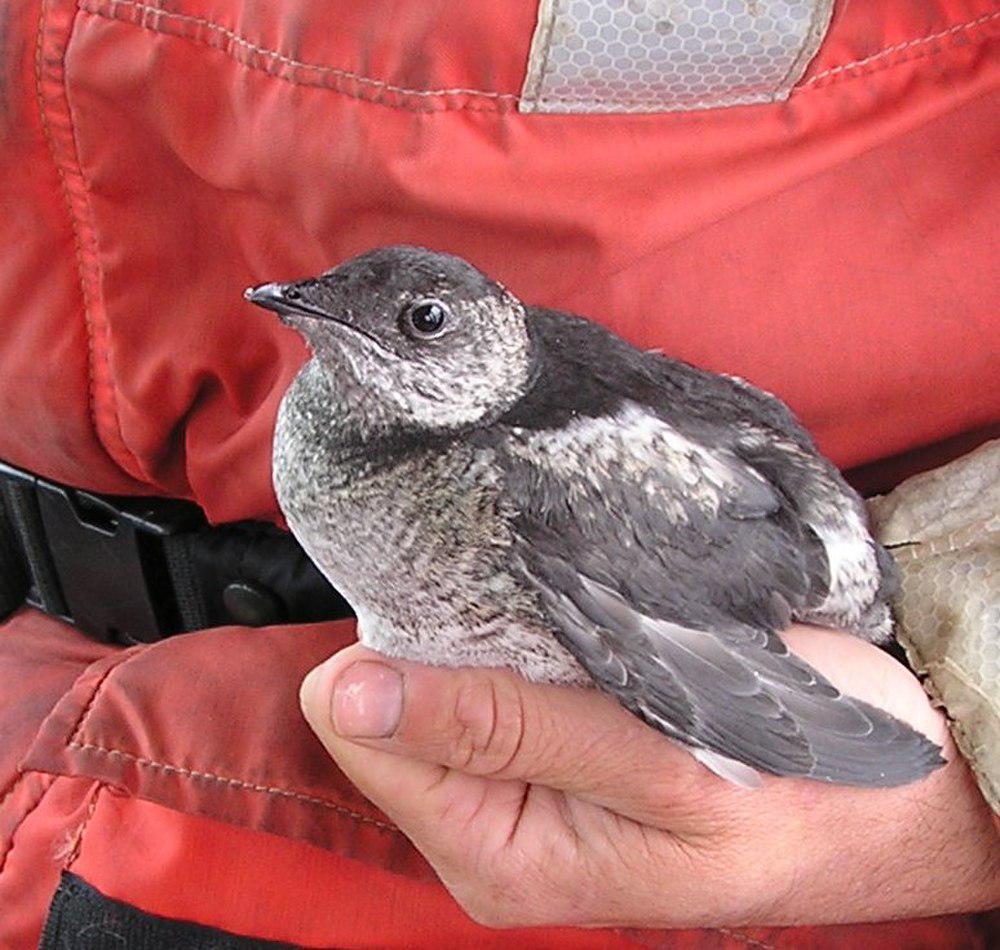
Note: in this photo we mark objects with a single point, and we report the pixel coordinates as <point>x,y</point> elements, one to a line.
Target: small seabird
<point>494,484</point>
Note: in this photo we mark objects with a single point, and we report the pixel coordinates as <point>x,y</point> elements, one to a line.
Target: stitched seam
<point>156,14</point>
<point>899,47</point>
<point>75,743</point>
<point>237,39</point>
<point>108,437</point>
<point>47,782</point>
<point>81,719</point>
<point>232,782</point>
<point>74,227</point>
<point>844,77</point>
<point>91,251</point>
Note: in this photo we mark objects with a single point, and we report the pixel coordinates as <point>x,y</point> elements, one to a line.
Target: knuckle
<point>489,715</point>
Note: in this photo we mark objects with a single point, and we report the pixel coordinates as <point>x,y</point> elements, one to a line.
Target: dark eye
<point>425,319</point>
<point>292,294</point>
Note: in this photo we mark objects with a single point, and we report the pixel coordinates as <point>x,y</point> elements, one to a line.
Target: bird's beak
<point>292,311</point>
<point>275,297</point>
<point>270,297</point>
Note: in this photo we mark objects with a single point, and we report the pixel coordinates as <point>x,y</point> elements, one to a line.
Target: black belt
<point>135,570</point>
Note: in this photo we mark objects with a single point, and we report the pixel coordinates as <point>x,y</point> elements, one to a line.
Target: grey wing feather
<point>673,606</point>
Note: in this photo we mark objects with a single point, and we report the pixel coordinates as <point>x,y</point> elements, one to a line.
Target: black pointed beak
<point>270,297</point>
<point>285,300</point>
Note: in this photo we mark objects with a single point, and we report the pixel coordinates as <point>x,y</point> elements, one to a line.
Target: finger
<point>448,814</point>
<point>493,724</point>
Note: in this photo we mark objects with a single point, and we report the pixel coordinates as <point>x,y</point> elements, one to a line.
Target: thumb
<point>399,729</point>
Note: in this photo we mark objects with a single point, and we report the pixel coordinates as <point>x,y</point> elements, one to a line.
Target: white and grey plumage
<point>498,485</point>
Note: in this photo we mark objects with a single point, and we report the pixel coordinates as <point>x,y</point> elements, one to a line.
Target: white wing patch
<point>637,446</point>
<point>853,568</point>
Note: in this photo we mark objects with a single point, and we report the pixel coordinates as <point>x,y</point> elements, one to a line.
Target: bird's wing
<point>666,568</point>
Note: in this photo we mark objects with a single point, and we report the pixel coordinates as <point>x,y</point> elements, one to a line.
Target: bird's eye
<point>292,294</point>
<point>425,319</point>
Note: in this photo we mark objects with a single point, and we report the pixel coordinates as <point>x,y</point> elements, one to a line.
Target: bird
<point>494,484</point>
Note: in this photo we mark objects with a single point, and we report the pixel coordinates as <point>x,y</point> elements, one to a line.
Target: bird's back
<point>673,523</point>
<point>786,500</point>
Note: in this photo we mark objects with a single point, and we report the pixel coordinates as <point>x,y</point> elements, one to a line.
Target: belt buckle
<point>99,561</point>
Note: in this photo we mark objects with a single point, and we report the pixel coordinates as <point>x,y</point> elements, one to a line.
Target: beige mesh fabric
<point>944,531</point>
<point>669,55</point>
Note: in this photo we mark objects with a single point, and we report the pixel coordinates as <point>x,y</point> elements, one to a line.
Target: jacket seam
<point>369,89</point>
<point>67,165</point>
<point>898,48</point>
<point>64,187</point>
<point>79,743</point>
<point>152,19</point>
<point>273,790</point>
<point>88,707</point>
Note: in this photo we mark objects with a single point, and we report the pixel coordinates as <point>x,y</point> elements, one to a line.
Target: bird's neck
<point>354,434</point>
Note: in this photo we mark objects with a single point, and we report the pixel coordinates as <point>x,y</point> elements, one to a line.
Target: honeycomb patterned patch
<point>944,531</point>
<point>669,55</point>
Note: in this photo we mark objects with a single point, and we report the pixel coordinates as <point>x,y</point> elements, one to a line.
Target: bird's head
<point>411,336</point>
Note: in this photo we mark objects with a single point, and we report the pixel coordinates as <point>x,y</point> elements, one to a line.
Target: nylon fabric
<point>295,146</point>
<point>836,249</point>
<point>192,857</point>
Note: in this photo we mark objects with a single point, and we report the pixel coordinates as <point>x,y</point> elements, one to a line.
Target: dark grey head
<point>411,335</point>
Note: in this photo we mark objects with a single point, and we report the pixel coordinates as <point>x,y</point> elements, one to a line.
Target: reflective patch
<point>669,55</point>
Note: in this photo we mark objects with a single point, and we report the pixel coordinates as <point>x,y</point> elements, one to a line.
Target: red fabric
<point>135,783</point>
<point>836,249</point>
<point>39,827</point>
<point>160,722</point>
<point>323,900</point>
<point>32,681</point>
<point>314,898</point>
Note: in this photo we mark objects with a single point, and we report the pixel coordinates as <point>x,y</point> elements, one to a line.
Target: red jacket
<point>837,249</point>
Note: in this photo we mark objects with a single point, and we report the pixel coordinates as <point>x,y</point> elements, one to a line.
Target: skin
<point>549,805</point>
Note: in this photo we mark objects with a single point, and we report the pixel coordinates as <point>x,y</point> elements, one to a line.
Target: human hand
<point>541,805</point>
